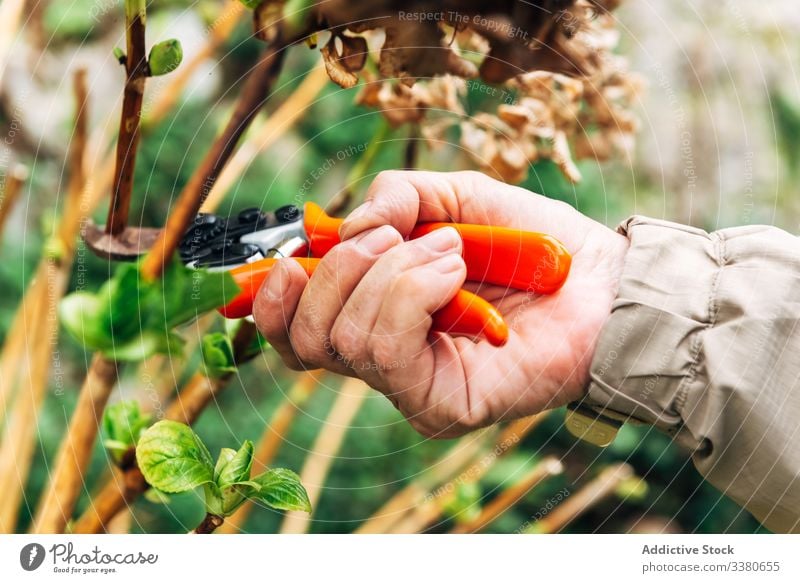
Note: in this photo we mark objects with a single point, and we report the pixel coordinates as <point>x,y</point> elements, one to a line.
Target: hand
<point>366,310</point>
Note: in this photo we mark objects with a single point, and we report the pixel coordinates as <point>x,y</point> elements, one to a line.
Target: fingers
<point>353,329</point>
<point>275,306</point>
<point>402,199</point>
<point>297,319</point>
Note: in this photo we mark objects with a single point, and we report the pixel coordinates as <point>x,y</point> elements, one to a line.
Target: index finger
<point>404,198</point>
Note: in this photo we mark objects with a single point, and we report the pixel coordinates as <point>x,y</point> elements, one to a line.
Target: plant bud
<point>165,57</point>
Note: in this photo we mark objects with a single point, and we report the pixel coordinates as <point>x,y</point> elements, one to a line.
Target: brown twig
<point>128,141</point>
<point>329,440</point>
<point>444,469</point>
<point>126,485</point>
<point>507,498</point>
<point>273,437</point>
<point>103,179</point>
<point>582,500</point>
<point>261,138</point>
<point>55,507</point>
<point>425,513</point>
<point>41,329</point>
<point>255,92</point>
<point>210,523</point>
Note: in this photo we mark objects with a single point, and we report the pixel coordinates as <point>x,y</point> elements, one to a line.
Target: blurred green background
<point>716,78</point>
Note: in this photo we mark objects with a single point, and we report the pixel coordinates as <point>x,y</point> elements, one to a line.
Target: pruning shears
<point>250,243</point>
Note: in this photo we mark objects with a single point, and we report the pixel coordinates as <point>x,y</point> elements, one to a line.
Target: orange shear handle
<point>521,260</point>
<point>465,315</point>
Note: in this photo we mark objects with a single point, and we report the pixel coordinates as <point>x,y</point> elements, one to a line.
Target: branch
<point>424,514</point>
<point>266,134</point>
<point>209,524</point>
<point>591,494</point>
<point>58,501</point>
<point>326,446</point>
<point>254,95</point>
<point>507,498</point>
<point>32,352</point>
<point>442,470</point>
<point>130,119</point>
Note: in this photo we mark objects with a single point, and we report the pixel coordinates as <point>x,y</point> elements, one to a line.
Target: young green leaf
<point>218,354</point>
<point>226,454</point>
<point>123,424</point>
<point>281,489</point>
<point>130,319</point>
<point>173,459</point>
<point>237,469</point>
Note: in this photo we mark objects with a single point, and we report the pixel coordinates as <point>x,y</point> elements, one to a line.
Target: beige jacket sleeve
<point>704,342</point>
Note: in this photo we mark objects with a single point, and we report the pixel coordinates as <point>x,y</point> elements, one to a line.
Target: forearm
<point>703,342</point>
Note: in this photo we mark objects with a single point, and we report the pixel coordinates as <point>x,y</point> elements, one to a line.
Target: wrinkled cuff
<point>648,349</point>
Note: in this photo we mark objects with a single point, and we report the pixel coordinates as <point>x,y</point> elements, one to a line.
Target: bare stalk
<point>587,497</point>
<point>255,93</point>
<point>41,329</point>
<point>444,469</point>
<point>209,524</point>
<point>509,497</point>
<point>103,176</point>
<point>266,134</point>
<point>424,514</point>
<point>130,119</point>
<point>326,446</point>
<point>271,440</point>
<point>55,508</point>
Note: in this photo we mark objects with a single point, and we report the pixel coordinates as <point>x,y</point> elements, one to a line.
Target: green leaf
<point>218,354</point>
<point>281,489</point>
<point>215,501</point>
<point>225,455</point>
<point>165,57</point>
<point>173,459</point>
<point>129,319</point>
<point>237,467</point>
<point>251,4</point>
<point>123,424</point>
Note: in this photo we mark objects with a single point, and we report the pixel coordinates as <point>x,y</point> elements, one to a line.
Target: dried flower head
<point>553,61</point>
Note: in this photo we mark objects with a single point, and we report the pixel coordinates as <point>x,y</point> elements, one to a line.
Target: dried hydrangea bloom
<point>555,57</point>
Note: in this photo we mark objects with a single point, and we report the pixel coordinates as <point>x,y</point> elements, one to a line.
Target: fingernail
<point>441,239</point>
<point>380,240</point>
<point>448,264</point>
<point>278,282</point>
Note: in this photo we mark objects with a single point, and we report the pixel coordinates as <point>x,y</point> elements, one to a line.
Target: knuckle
<point>306,345</point>
<point>388,177</point>
<point>347,339</point>
<point>408,285</point>
<point>382,353</point>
